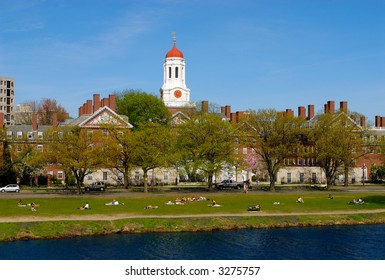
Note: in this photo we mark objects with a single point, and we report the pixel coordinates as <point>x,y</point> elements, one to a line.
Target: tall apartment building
<point>7,97</point>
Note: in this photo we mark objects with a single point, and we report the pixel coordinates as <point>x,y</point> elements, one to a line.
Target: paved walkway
<point>98,217</point>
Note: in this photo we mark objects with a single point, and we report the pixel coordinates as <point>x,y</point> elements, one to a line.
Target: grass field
<point>59,217</point>
<point>231,203</point>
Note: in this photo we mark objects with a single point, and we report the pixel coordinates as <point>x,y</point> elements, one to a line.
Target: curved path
<point>98,217</point>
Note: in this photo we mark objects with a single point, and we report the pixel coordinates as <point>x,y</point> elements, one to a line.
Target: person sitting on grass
<point>214,204</point>
<point>300,200</point>
<point>360,201</point>
<point>330,196</point>
<point>85,207</point>
<point>33,207</point>
<point>354,201</point>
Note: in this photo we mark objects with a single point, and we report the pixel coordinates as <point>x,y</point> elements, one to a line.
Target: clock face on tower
<point>177,93</point>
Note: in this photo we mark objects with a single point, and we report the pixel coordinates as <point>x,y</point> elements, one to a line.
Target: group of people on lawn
<point>256,207</point>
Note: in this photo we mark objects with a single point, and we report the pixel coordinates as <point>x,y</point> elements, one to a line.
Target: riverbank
<point>67,228</point>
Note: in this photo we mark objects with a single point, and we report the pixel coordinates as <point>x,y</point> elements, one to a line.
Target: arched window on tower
<point>176,72</point>
<point>169,72</point>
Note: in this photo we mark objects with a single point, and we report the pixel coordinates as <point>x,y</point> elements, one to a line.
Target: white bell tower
<point>174,92</point>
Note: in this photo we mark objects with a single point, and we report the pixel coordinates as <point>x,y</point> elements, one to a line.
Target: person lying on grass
<point>114,202</point>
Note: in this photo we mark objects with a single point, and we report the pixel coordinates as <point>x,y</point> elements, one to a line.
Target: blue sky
<point>249,54</point>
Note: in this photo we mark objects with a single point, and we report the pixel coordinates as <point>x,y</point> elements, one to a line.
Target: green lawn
<point>230,203</point>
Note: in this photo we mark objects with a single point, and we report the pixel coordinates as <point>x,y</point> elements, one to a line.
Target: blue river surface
<point>362,242</point>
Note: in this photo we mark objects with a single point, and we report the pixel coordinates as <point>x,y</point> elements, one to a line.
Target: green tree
<point>274,136</point>
<point>151,146</point>
<point>7,173</point>
<point>337,143</point>
<point>141,108</point>
<point>76,150</point>
<point>119,151</point>
<point>377,173</point>
<point>205,142</point>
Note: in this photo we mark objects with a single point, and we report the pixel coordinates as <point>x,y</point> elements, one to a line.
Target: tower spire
<point>174,37</point>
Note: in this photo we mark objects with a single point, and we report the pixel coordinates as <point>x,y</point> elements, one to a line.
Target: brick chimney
<point>89,107</point>
<point>233,117</point>
<point>330,107</point>
<point>302,112</point>
<point>105,102</point>
<point>310,112</point>
<point>223,110</point>
<point>363,121</point>
<point>239,116</point>
<point>112,102</point>
<point>96,102</point>
<point>382,121</point>
<point>344,106</point>
<point>34,122</point>
<point>227,111</point>
<point>205,107</point>
<point>378,121</point>
<point>290,113</point>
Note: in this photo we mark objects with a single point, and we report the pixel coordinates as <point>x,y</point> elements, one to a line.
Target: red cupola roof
<point>174,52</point>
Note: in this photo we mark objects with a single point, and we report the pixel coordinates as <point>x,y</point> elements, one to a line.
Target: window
<point>104,175</point>
<point>302,178</point>
<point>244,151</point>
<point>40,134</point>
<point>9,134</point>
<point>176,72</point>
<point>314,177</point>
<point>39,148</point>
<point>165,175</point>
<point>169,72</point>
<point>90,177</point>
<point>289,177</point>
<point>60,175</point>
<point>19,148</point>
<point>19,134</point>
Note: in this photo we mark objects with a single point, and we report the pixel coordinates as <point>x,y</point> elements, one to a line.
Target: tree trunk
<point>210,180</point>
<point>346,179</point>
<point>125,177</point>
<point>145,177</point>
<point>272,182</point>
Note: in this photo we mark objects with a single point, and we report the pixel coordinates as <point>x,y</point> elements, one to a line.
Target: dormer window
<point>9,134</point>
<point>19,134</point>
<point>40,134</point>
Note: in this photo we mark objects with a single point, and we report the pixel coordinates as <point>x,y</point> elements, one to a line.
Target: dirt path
<point>97,217</point>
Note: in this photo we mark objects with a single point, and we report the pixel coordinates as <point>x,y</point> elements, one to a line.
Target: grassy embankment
<point>60,217</point>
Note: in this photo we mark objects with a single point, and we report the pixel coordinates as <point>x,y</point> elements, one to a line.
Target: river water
<point>364,242</point>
